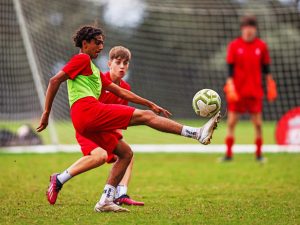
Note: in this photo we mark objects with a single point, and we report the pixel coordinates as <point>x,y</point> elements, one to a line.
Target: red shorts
<point>250,105</point>
<point>106,140</point>
<point>98,123</point>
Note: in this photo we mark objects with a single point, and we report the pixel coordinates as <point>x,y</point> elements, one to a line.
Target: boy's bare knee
<point>149,115</point>
<point>138,117</point>
<point>99,158</point>
<point>128,154</point>
<point>142,117</point>
<point>98,161</point>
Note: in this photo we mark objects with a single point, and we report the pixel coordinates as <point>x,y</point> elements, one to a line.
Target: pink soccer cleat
<point>125,199</point>
<point>53,189</point>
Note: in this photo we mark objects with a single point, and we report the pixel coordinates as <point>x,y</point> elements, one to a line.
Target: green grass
<point>145,135</point>
<point>176,188</point>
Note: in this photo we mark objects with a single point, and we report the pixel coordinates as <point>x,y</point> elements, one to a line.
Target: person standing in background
<point>248,63</point>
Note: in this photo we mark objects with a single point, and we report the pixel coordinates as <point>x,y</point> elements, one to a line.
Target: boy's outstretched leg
<point>106,202</point>
<point>149,118</point>
<point>96,158</point>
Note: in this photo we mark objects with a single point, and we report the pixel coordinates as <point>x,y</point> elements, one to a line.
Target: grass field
<point>176,188</point>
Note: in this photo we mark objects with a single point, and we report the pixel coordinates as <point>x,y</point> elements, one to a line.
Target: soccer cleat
<point>53,189</point>
<point>261,159</point>
<point>225,159</point>
<point>109,207</point>
<point>208,129</point>
<point>125,199</point>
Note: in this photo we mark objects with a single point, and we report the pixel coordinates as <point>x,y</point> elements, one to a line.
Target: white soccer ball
<point>206,103</point>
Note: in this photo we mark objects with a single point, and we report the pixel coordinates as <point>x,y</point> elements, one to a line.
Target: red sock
<point>258,143</point>
<point>229,143</point>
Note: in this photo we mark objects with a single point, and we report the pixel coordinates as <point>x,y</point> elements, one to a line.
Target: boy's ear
<point>84,42</point>
<point>109,63</point>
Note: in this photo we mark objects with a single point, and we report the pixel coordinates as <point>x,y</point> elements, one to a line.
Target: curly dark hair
<point>87,33</point>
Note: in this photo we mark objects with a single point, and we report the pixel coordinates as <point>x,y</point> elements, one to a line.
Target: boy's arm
<point>52,89</point>
<point>131,97</point>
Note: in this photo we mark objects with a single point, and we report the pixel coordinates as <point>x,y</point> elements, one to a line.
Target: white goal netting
<point>178,48</point>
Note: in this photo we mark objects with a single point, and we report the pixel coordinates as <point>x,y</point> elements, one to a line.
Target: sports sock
<point>121,190</point>
<point>191,132</point>
<point>108,194</point>
<point>258,143</point>
<point>64,177</point>
<point>229,143</point>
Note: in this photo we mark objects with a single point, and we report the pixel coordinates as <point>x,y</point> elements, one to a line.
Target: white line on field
<point>149,148</point>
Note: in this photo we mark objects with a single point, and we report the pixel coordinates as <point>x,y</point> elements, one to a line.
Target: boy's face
<point>248,33</point>
<point>118,67</point>
<point>94,47</point>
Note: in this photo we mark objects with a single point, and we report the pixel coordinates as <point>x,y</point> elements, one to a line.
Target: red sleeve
<point>266,60</point>
<point>104,80</point>
<point>230,54</point>
<point>79,64</point>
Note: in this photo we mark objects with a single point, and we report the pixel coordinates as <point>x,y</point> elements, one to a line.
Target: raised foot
<point>208,129</point>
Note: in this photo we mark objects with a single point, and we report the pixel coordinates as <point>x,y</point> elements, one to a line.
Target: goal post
<point>34,66</point>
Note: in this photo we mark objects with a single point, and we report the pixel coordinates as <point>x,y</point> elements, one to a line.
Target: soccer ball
<point>206,103</point>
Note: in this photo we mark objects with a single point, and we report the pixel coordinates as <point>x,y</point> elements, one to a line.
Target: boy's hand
<point>230,92</point>
<point>271,89</point>
<point>159,110</point>
<point>43,122</point>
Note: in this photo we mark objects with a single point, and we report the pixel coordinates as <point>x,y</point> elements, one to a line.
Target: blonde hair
<point>119,52</point>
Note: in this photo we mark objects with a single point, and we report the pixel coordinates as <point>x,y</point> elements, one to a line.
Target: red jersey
<point>110,98</point>
<point>248,59</point>
<point>81,64</point>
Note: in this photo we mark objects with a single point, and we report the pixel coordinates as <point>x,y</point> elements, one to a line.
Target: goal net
<point>178,48</point>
